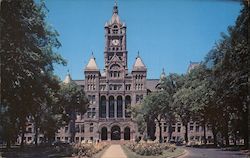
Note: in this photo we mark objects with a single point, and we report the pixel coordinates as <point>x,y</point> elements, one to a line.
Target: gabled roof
<point>139,63</point>
<point>67,79</point>
<point>91,64</point>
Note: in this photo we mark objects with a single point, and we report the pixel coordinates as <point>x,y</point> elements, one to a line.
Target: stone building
<point>111,92</point>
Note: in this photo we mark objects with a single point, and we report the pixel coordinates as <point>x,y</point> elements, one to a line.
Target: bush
<point>149,149</point>
<point>88,149</point>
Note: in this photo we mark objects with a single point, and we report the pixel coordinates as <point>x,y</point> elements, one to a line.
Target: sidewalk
<point>114,151</point>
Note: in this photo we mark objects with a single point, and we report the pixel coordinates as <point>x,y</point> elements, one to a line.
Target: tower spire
<point>115,8</point>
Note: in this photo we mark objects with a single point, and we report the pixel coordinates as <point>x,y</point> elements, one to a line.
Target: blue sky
<point>167,33</point>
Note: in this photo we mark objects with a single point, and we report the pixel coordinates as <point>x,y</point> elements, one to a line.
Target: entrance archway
<point>104,133</point>
<point>115,133</point>
<point>127,133</point>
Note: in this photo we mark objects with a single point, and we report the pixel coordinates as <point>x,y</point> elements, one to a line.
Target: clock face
<point>115,42</point>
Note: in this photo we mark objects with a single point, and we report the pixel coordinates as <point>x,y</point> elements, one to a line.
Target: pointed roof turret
<point>91,64</point>
<point>115,18</point>
<point>115,8</point>
<point>163,75</point>
<point>139,65</point>
<point>67,79</point>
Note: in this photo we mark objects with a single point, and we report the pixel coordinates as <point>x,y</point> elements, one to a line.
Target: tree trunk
<point>226,135</point>
<point>235,138</point>
<point>204,133</point>
<point>22,136</point>
<point>246,130</point>
<point>36,131</point>
<point>160,130</point>
<point>170,131</point>
<point>8,145</point>
<point>214,135</point>
<point>186,133</point>
<point>72,127</point>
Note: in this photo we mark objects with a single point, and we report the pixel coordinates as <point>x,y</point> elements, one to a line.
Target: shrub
<point>88,149</point>
<point>149,149</point>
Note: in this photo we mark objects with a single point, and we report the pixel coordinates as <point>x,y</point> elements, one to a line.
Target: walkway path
<point>211,153</point>
<point>114,151</point>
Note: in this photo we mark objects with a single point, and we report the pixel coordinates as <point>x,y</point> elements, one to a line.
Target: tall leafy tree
<point>27,54</point>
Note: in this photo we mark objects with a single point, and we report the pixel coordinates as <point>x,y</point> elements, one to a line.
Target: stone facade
<point>111,92</point>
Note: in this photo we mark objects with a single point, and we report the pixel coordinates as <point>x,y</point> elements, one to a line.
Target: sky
<point>167,33</point>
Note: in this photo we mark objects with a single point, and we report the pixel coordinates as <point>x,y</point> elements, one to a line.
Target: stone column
<point>109,135</point>
<point>122,134</point>
<point>115,109</point>
<point>123,108</point>
<point>107,109</point>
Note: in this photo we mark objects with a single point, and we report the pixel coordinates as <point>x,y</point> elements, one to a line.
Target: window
<point>82,138</point>
<point>179,129</point>
<point>197,138</point>
<point>66,129</point>
<point>91,129</point>
<point>173,128</point>
<point>77,139</point>
<point>29,130</point>
<point>93,98</point>
<point>77,128</point>
<point>137,98</point>
<point>29,138</point>
<point>66,138</point>
<point>82,128</point>
<point>58,138</point>
<point>173,138</point>
<point>197,129</point>
<point>165,127</point>
<point>191,128</point>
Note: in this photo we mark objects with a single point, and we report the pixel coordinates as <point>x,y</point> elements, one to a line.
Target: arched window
<point>111,106</point>
<point>103,107</point>
<point>119,106</point>
<point>127,106</point>
<point>127,133</point>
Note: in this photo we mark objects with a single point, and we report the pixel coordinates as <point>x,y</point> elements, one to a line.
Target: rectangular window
<point>173,128</point>
<point>66,138</point>
<point>77,139</point>
<point>91,129</point>
<point>93,98</point>
<point>29,130</point>
<point>66,129</point>
<point>82,138</point>
<point>89,114</point>
<point>197,128</point>
<point>77,128</point>
<point>82,128</point>
<point>137,98</point>
<point>179,129</point>
<point>191,128</point>
<point>165,128</point>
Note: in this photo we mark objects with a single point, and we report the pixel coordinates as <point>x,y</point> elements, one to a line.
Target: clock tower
<point>115,42</point>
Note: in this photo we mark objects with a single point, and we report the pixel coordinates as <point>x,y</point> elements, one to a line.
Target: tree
<point>154,107</point>
<point>72,100</point>
<point>27,54</point>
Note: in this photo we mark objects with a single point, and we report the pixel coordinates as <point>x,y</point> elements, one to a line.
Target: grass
<point>166,153</point>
